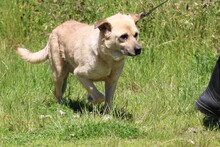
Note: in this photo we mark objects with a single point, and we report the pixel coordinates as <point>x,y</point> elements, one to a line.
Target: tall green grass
<point>154,100</point>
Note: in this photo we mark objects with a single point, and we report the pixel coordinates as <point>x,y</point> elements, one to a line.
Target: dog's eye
<point>123,37</point>
<point>136,35</point>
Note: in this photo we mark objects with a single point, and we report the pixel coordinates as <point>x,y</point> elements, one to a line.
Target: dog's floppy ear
<point>103,25</point>
<point>135,17</point>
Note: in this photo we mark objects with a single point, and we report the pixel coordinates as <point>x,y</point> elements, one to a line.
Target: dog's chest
<point>94,70</point>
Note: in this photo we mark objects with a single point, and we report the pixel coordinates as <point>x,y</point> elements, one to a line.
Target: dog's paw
<point>61,101</point>
<point>95,100</point>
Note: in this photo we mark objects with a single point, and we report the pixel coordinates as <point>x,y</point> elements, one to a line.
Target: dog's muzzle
<point>137,49</point>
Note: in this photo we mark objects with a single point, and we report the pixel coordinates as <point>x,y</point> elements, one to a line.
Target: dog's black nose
<point>137,49</point>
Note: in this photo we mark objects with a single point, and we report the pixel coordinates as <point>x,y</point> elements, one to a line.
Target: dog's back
<point>77,41</point>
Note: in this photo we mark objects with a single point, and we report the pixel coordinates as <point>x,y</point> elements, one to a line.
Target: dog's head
<point>119,34</point>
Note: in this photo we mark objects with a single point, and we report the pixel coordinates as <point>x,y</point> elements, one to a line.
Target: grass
<point>154,101</point>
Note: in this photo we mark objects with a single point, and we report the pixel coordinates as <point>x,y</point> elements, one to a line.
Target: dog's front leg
<point>95,96</point>
<point>110,87</point>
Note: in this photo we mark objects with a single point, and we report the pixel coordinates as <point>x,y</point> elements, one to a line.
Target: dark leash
<point>143,14</point>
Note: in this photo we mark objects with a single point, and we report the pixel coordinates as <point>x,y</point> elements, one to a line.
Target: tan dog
<point>91,53</point>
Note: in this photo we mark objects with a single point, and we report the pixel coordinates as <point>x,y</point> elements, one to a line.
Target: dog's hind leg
<point>60,81</point>
<point>64,83</point>
<point>59,67</point>
<point>60,76</point>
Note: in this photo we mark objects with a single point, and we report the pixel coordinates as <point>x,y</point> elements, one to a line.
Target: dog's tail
<point>34,58</point>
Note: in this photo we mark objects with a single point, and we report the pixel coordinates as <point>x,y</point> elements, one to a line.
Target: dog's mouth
<point>124,51</point>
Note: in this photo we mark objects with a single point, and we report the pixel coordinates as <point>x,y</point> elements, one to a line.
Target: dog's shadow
<point>211,122</point>
<point>79,106</point>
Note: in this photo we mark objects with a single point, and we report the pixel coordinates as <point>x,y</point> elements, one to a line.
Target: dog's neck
<point>109,54</point>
